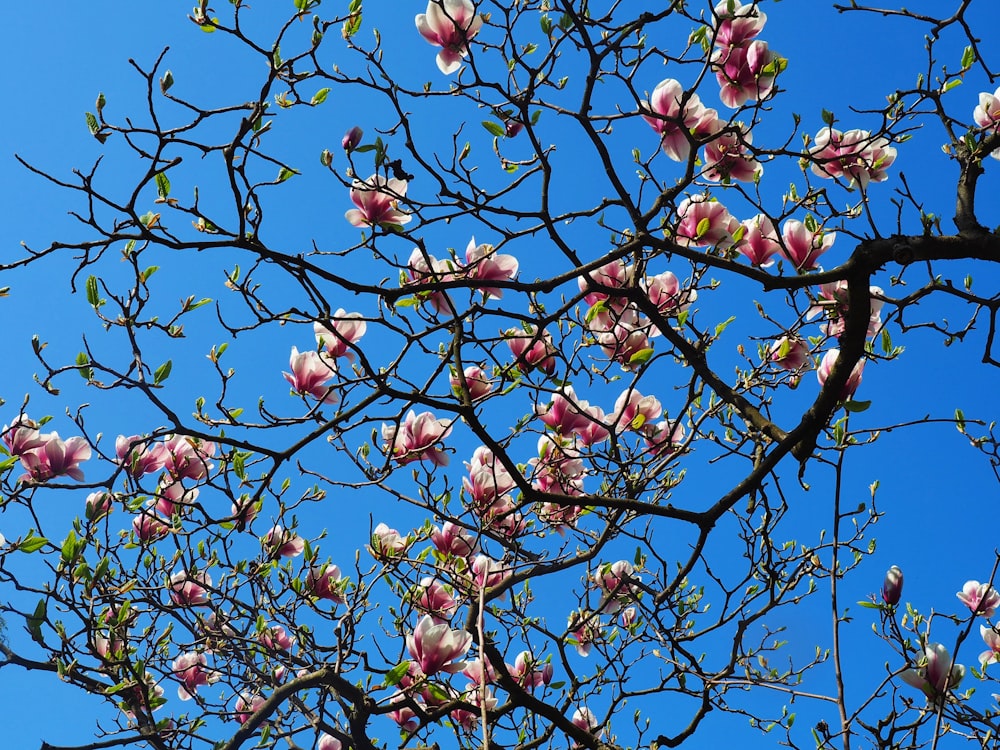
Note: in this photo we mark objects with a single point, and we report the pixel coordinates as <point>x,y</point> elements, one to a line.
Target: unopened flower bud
<point>892,586</point>
<point>352,138</point>
<point>326,158</point>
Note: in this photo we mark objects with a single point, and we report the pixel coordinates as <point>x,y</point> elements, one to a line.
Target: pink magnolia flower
<point>435,599</point>
<point>480,673</point>
<point>276,638</point>
<point>484,263</point>
<point>790,353</point>
<point>189,590</point>
<point>452,540</point>
<point>344,330</point>
<point>703,222</point>
<point>149,527</point>
<point>488,573</point>
<point>745,72</point>
<point>377,201</point>
<point>423,268</point>
<point>611,276</point>
<point>992,640</point>
<point>759,243</point>
<point>567,414</point>
<point>664,290</point>
<point>388,543</point>
<point>188,457</point>
<point>531,349</point>
<point>98,505</point>
<point>558,467</point>
<point>22,435</point>
<point>737,23</point>
<point>173,498</point>
<point>803,246</point>
<point>109,650</point>
<point>584,718</point>
<point>281,542</point>
<point>936,673</point>
<point>487,480</point>
<point>190,669</point>
<point>477,382</point>
<point>310,373</point>
<point>980,598</point>
<point>832,302</point>
<point>623,337</point>
<point>138,457</point>
<point>892,586</point>
<point>855,155</point>
<point>615,583</point>
<point>449,24</point>
<point>853,380</point>
<point>417,438</point>
<point>728,157</point>
<point>328,742</point>
<point>435,646</point>
<point>679,120</point>
<point>54,458</point>
<point>585,628</point>
<point>529,672</point>
<point>633,411</point>
<point>351,139</point>
<point>325,582</point>
<point>403,715</point>
<point>245,510</point>
<point>628,617</point>
<point>987,115</point>
<point>247,705</point>
<point>665,438</point>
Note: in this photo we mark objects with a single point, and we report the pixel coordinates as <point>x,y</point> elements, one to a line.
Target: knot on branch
<point>902,253</point>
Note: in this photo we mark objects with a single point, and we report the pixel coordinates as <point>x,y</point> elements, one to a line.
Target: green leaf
<point>36,620</point>
<point>149,272</point>
<point>968,58</point>
<point>92,124</point>
<point>101,101</point>
<point>494,128</point>
<point>286,173</point>
<point>83,366</point>
<point>723,326</point>
<point>703,226</point>
<point>207,27</point>
<point>162,372</point>
<point>320,96</point>
<point>954,82</point>
<point>396,673</point>
<point>828,117</point>
<point>641,357</point>
<point>162,185</point>
<point>857,406</point>
<point>93,295</point>
<point>32,543</point>
<point>546,23</point>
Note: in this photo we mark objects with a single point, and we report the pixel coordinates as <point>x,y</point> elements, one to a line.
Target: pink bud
<point>892,586</point>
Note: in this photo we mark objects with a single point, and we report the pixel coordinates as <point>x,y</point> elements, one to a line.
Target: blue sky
<point>932,483</point>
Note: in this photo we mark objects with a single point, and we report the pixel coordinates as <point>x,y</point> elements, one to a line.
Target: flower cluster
<point>483,265</point>
<point>744,66</point>
<point>44,456</point>
<point>856,155</point>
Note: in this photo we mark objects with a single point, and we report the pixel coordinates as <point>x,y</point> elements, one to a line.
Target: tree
<point>525,350</point>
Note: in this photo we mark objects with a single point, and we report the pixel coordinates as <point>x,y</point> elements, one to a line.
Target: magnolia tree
<point>536,483</point>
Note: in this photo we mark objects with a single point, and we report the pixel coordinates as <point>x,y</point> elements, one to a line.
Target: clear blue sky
<point>932,483</point>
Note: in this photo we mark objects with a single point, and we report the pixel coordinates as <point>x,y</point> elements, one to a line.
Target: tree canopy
<point>589,322</point>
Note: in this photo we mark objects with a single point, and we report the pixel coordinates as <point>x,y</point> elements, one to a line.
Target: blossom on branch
<point>377,201</point>
<point>449,24</point>
<point>417,438</point>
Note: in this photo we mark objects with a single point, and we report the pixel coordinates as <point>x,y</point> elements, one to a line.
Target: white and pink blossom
<point>449,24</point>
<point>377,202</point>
